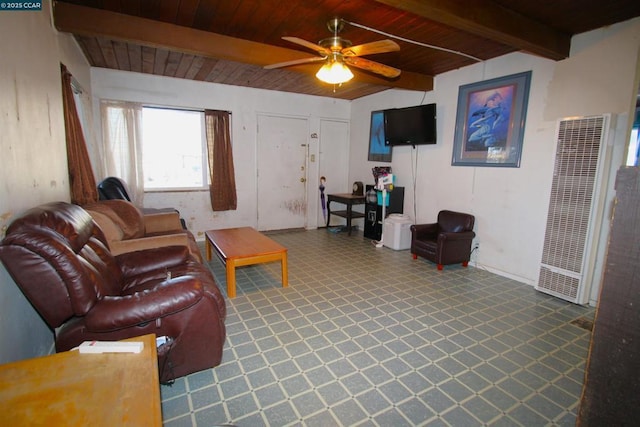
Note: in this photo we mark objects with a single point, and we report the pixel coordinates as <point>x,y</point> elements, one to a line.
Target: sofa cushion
<point>123,214</point>
<point>112,232</point>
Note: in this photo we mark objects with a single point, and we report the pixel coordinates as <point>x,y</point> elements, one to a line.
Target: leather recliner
<point>445,242</point>
<point>59,258</point>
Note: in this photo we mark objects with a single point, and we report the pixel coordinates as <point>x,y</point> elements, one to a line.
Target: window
<point>173,149</point>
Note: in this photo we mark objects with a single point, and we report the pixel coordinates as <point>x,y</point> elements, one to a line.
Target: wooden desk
<point>244,246</point>
<point>73,389</point>
<point>349,200</point>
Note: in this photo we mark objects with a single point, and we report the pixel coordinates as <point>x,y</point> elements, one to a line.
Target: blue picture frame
<point>378,151</point>
<point>490,122</point>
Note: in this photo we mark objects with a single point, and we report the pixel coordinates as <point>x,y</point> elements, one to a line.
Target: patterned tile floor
<point>367,336</point>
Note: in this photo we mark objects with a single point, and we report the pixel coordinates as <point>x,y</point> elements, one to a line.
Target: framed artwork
<point>378,152</point>
<point>490,122</point>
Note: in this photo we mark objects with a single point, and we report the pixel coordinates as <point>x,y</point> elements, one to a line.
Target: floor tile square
<point>308,403</point>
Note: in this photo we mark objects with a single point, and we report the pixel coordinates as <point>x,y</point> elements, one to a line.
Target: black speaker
<point>373,212</point>
<point>396,201</point>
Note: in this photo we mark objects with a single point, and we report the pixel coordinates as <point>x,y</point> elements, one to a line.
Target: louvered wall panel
<point>571,205</point>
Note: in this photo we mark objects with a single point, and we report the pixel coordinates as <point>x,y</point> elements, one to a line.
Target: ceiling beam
<point>91,22</point>
<point>490,20</point>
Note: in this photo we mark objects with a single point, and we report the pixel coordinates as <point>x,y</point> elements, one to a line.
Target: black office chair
<point>115,188</point>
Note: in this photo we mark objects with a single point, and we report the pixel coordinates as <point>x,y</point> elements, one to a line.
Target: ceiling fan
<point>337,52</point>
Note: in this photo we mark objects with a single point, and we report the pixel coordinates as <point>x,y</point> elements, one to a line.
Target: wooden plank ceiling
<point>229,42</point>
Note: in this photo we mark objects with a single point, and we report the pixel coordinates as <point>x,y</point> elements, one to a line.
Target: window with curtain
<point>167,149</point>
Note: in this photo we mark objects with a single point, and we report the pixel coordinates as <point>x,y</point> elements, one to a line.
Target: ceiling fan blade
<point>294,62</point>
<point>380,46</point>
<point>321,50</point>
<point>372,66</point>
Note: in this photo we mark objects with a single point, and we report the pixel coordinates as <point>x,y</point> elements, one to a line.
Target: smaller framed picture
<point>490,122</point>
<point>378,151</point>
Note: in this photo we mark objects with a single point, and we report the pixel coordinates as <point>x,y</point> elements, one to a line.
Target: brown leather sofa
<point>128,229</point>
<point>59,258</point>
<point>445,242</point>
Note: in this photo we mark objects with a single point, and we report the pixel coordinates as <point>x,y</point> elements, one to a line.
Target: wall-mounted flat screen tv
<point>410,125</point>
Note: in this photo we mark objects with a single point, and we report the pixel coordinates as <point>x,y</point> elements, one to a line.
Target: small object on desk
<point>111,347</point>
<point>358,188</point>
<point>160,341</point>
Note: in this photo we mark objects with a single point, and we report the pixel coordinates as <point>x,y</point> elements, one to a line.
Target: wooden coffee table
<point>244,246</point>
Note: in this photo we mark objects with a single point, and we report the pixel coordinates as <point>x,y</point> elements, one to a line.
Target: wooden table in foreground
<point>73,389</point>
<point>244,246</point>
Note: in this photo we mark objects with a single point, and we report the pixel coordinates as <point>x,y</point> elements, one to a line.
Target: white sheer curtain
<point>122,140</point>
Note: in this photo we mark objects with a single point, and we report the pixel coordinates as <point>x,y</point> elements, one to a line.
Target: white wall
<point>32,143</point>
<point>510,204</point>
<point>245,105</point>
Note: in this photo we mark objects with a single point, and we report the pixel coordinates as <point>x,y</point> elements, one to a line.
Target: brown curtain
<point>81,180</point>
<point>223,182</point>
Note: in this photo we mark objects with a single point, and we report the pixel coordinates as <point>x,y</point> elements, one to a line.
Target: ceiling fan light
<point>334,72</point>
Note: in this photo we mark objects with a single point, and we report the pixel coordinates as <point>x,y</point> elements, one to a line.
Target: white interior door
<point>282,172</point>
<point>333,162</point>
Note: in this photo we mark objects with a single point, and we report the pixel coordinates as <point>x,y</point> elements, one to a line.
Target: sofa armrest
<point>162,222</point>
<point>169,297</point>
<point>123,246</point>
<point>421,231</point>
<point>109,228</point>
<point>140,262</point>
<point>451,236</point>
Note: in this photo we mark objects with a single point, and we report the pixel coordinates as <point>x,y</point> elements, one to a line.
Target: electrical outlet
<point>476,246</point>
